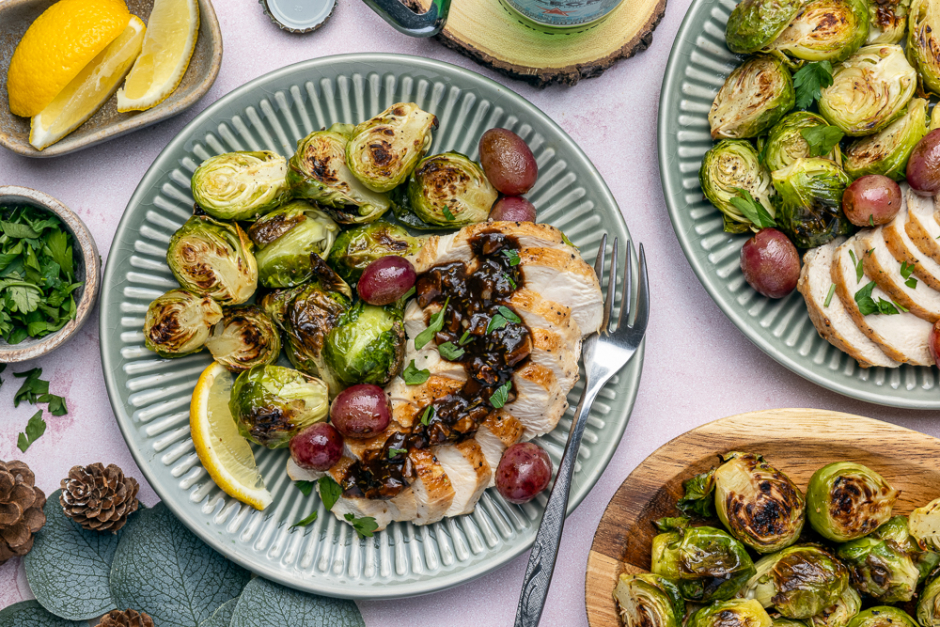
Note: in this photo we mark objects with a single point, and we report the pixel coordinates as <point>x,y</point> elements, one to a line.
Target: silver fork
<point>605,353</point>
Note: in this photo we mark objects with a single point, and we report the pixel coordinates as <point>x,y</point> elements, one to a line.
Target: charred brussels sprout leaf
<point>841,612</point>
<point>179,323</point>
<point>733,613</point>
<point>755,24</point>
<point>246,337</point>
<point>367,345</point>
<point>825,30</point>
<point>887,151</point>
<point>271,404</point>
<point>882,564</point>
<point>888,22</point>
<point>213,259</point>
<point>450,191</point>
<point>240,185</point>
<point>648,600</point>
<point>384,150</point>
<point>923,42</point>
<point>845,500</point>
<point>809,201</point>
<point>286,238</point>
<point>928,605</point>
<point>787,141</point>
<point>318,172</point>
<point>883,616</point>
<point>358,247</point>
<point>799,581</point>
<point>754,97</point>
<point>699,496</point>
<point>924,526</point>
<point>869,90</point>
<point>729,167</point>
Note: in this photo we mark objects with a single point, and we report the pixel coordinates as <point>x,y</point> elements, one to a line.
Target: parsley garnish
<point>450,352</point>
<point>413,376</point>
<point>499,397</point>
<point>496,322</point>
<point>809,80</point>
<point>868,306</point>
<point>511,282</point>
<point>437,323</point>
<point>305,487</point>
<point>832,290</point>
<point>465,338</point>
<point>509,314</point>
<point>447,214</point>
<point>330,491</point>
<point>565,239</point>
<point>752,210</point>
<point>35,390</point>
<point>364,526</point>
<point>906,270</point>
<point>512,256</point>
<point>34,429</point>
<point>871,219</point>
<point>305,521</point>
<point>394,452</point>
<point>408,294</point>
<point>859,272</point>
<point>427,415</point>
<point>821,139</point>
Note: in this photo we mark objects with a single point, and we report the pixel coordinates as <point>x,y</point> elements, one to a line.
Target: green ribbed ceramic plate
<point>151,396</point>
<point>697,67</point>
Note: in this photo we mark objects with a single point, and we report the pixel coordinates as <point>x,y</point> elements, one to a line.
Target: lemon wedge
<point>89,90</point>
<point>221,449</point>
<point>172,30</point>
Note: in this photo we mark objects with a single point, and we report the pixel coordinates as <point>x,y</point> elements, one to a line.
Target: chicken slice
<point>882,268</point>
<point>539,313</point>
<point>469,473</point>
<point>903,249</point>
<point>497,433</point>
<point>540,401</point>
<point>564,277</point>
<point>922,226</point>
<point>432,488</point>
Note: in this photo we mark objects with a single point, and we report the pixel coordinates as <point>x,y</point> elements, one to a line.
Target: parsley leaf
<point>510,280</point>
<point>408,294</point>
<point>906,270</point>
<point>427,415</point>
<point>395,452</point>
<point>832,290</point>
<point>450,352</point>
<point>364,526</point>
<point>499,397</point>
<point>305,487</point>
<point>32,388</point>
<point>464,339</point>
<point>448,215</point>
<point>34,429</point>
<point>868,306</point>
<point>509,314</point>
<point>436,324</point>
<point>859,272</point>
<point>755,212</point>
<point>496,322</point>
<point>330,491</point>
<point>305,521</point>
<point>809,80</point>
<point>413,376</point>
<point>821,139</point>
<point>871,219</point>
<point>512,256</point>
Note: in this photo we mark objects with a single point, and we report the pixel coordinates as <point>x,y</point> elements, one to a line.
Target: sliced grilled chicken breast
<point>903,249</point>
<point>468,471</point>
<point>922,226</point>
<point>881,267</point>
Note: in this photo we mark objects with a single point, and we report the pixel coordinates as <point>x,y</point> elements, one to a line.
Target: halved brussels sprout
<point>883,616</point>
<point>780,621</point>
<point>841,612</point>
<point>450,191</point>
<point>271,404</point>
<point>648,600</point>
<point>318,172</point>
<point>869,90</point>
<point>733,613</point>
<point>928,605</point>
<point>707,563</point>
<point>356,248</point>
<point>809,201</point>
<point>367,344</point>
<point>888,21</point>
<point>240,185</point>
<point>384,150</point>
<point>286,238</point>
<point>179,322</point>
<point>246,337</point>
<point>213,259</point>
<point>754,97</point>
<point>845,501</point>
<point>887,151</point>
<point>923,42</point>
<point>785,142</point>
<point>825,30</point>
<point>728,168</point>
<point>924,526</point>
<point>799,581</point>
<point>755,24</point>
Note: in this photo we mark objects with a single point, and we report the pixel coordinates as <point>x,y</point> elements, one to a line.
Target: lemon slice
<point>89,90</point>
<point>168,46</point>
<point>221,449</point>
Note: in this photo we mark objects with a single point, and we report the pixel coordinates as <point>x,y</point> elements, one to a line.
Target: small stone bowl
<point>87,269</point>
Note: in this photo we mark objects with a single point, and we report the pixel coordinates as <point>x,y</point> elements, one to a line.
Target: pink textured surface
<point>698,368</point>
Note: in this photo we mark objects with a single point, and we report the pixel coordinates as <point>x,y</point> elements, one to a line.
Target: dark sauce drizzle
<point>489,359</point>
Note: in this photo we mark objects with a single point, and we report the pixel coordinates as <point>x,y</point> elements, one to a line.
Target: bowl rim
<point>91,260</point>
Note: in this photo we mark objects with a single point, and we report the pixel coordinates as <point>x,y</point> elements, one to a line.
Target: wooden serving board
<point>796,441</point>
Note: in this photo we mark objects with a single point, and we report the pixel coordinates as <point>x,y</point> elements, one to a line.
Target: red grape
<point>507,161</point>
<point>361,411</point>
<point>871,200</point>
<point>317,447</point>
<point>770,263</point>
<point>523,472</point>
<point>385,280</point>
<point>513,209</point>
<point>923,168</point>
<point>933,342</point>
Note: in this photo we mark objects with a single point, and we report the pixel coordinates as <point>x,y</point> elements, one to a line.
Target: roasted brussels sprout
<point>318,172</point>
<point>728,169</point>
<point>648,600</point>
<point>358,247</point>
<point>888,22</point>
<point>213,259</point>
<point>785,142</point>
<point>383,151</point>
<point>246,337</point>
<point>367,344</point>
<point>845,500</point>
<point>809,201</point>
<point>755,24</point>
<point>825,30</point>
<point>754,97</point>
<point>240,185</point>
<point>869,90</point>
<point>799,581</point>
<point>733,613</point>
<point>271,404</point>
<point>924,524</point>
<point>923,42</point>
<point>887,151</point>
<point>883,616</point>
<point>707,563</point>
<point>928,605</point>
<point>179,322</point>
<point>450,191</point>
<point>841,612</point>
<point>286,238</point>
<point>780,621</point>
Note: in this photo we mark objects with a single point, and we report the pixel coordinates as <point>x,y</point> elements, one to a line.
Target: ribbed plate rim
<point>629,376</point>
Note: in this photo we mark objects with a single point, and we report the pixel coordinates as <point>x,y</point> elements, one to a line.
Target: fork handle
<point>538,573</point>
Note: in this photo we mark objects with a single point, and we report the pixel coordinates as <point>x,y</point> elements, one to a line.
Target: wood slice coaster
<point>795,441</point>
<point>494,36</point>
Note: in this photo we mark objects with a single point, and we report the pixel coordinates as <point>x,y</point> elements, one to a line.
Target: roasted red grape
<point>386,280</point>
<point>770,263</point>
<point>923,168</point>
<point>523,472</point>
<point>317,447</point>
<point>361,411</point>
<point>933,342</point>
<point>871,200</point>
<point>513,209</point>
<point>507,161</point>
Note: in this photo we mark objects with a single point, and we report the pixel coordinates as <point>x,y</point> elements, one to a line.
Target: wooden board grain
<point>797,441</point>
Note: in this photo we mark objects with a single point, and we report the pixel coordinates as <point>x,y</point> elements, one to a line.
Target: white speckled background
<point>699,367</point>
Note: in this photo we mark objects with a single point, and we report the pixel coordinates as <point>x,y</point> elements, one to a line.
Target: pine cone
<point>99,498</point>
<point>130,618</point>
<point>21,514</point>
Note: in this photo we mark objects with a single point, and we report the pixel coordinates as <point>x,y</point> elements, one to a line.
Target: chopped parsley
<point>495,323</point>
<point>364,526</point>
<point>499,397</point>
<point>509,314</point>
<point>868,306</point>
<point>330,491</point>
<point>436,324</point>
<point>408,294</point>
<point>859,272</point>
<point>755,212</point>
<point>427,415</point>
<point>413,376</point>
<point>305,487</point>
<point>832,290</point>
<point>303,522</point>
<point>906,270</point>
<point>395,452</point>
<point>34,429</point>
<point>512,256</point>
<point>450,352</point>
<point>871,219</point>
<point>511,282</point>
<point>821,139</point>
<point>447,214</point>
<point>809,80</point>
<point>465,338</point>
<point>35,390</point>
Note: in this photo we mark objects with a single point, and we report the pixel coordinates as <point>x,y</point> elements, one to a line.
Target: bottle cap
<point>298,16</point>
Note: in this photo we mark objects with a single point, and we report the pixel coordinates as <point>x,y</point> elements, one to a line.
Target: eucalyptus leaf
<point>31,614</point>
<point>222,617</point>
<point>161,567</point>
<point>267,604</point>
